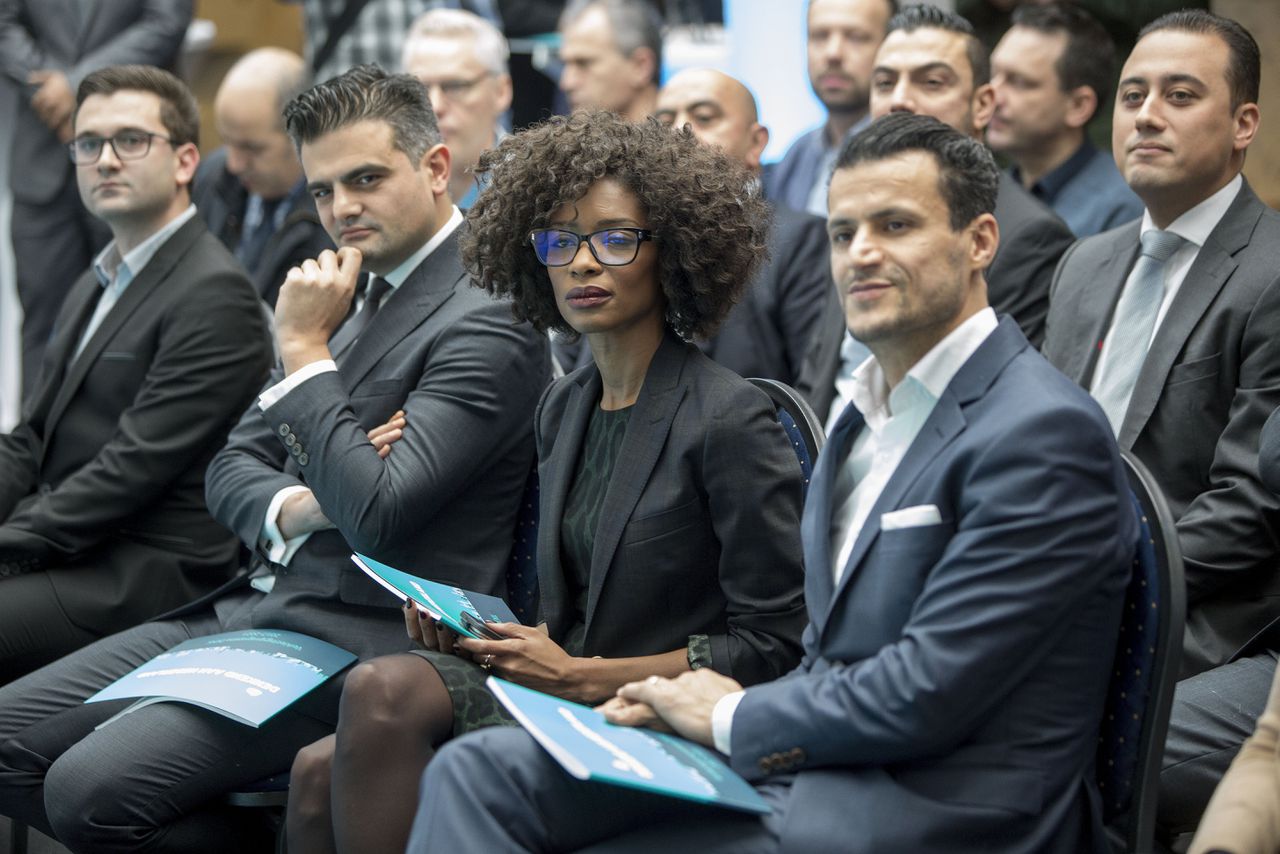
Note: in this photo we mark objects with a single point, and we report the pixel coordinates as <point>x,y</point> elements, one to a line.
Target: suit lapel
<point>1214,264</point>
<point>647,431</point>
<point>570,435</point>
<point>427,287</point>
<point>815,524</point>
<point>150,278</point>
<point>1095,303</point>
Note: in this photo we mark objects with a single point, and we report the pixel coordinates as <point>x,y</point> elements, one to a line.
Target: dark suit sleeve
<point>752,481</point>
<point>19,52</point>
<point>19,451</point>
<point>1036,535</point>
<point>153,38</point>
<point>481,381</point>
<point>212,354</point>
<point>1026,271</point>
<point>1229,529</point>
<point>1056,344</point>
<point>804,289</point>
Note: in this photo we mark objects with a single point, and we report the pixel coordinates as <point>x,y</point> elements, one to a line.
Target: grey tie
<point>1131,329</point>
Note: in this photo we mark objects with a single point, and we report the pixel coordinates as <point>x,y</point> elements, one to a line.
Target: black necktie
<point>249,251</point>
<point>375,289</point>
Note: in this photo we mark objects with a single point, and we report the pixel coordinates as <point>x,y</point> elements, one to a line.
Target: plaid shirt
<point>377,35</point>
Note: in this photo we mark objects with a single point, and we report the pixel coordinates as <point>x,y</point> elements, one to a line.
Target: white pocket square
<point>910,517</point>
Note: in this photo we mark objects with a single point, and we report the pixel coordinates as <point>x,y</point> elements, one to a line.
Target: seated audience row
<point>959,460</point>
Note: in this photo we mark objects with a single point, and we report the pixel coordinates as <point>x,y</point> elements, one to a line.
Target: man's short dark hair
<point>1089,56</point>
<point>635,24</point>
<point>968,179</point>
<point>366,93</point>
<point>1245,69</point>
<point>178,110</point>
<point>924,16</point>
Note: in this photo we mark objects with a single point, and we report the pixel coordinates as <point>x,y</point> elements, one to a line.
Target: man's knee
<point>86,806</point>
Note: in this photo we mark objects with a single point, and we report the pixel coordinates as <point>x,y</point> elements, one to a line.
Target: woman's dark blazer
<point>700,529</point>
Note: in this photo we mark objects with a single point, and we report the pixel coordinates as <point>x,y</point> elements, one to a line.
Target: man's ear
<point>437,161</point>
<point>985,233</point>
<point>1082,104</point>
<point>759,141</point>
<point>504,92</point>
<point>188,159</point>
<point>1245,118</point>
<point>644,66</point>
<point>983,107</point>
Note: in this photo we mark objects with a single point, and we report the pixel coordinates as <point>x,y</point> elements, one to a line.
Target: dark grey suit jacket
<point>699,533</point>
<point>75,37</point>
<point>442,505</point>
<point>1032,239</point>
<point>102,483</point>
<point>767,334</point>
<point>1210,379</point>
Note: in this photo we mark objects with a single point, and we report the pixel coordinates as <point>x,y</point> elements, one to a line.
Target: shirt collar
<point>928,378</point>
<point>108,263</point>
<point>1052,182</point>
<point>1195,225</point>
<point>397,276</point>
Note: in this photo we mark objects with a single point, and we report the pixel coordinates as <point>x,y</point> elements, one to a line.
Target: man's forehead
<point>590,32</point>
<point>123,108</point>
<point>366,143</point>
<point>453,54</point>
<point>848,13</point>
<point>907,180</point>
<point>1029,48</point>
<point>906,51</point>
<point>1179,51</point>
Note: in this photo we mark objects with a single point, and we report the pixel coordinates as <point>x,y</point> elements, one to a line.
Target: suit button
<point>284,430</point>
<point>45,488</point>
<point>303,459</point>
<point>291,440</point>
<point>295,449</point>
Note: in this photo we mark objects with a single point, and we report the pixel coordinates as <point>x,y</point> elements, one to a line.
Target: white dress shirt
<point>115,273</point>
<point>1194,227</point>
<point>278,549</point>
<point>892,420</point>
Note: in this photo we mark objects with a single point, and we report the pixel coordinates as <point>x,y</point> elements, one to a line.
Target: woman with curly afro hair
<point>668,535</point>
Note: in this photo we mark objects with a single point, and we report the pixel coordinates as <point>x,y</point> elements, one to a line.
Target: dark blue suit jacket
<point>953,681</point>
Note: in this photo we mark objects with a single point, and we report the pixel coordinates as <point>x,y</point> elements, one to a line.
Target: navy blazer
<point>953,681</point>
<point>699,533</point>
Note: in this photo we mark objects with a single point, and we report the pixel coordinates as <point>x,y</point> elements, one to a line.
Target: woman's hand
<point>428,633</point>
<point>527,656</point>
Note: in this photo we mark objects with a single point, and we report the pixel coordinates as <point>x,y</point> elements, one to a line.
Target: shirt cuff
<point>271,396</point>
<point>722,720</point>
<point>277,548</point>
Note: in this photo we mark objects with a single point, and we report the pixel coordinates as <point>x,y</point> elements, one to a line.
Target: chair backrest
<point>522,566</point>
<point>1136,719</point>
<point>798,420</point>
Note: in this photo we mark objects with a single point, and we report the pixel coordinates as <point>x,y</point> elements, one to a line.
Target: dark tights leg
<point>395,711</point>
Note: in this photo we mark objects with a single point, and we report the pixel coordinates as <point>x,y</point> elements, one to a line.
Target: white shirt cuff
<point>271,396</point>
<point>278,549</point>
<point>722,720</point>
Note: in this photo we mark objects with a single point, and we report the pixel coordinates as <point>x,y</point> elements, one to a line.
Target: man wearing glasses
<point>462,60</point>
<point>156,351</point>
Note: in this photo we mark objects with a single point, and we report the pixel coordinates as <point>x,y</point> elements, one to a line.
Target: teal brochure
<point>248,676</point>
<point>457,608</point>
<point>590,748</point>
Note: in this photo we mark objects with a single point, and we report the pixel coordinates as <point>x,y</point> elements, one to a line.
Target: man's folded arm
<point>19,451</point>
<point>212,354</point>
<point>1038,532</point>
<point>477,393</point>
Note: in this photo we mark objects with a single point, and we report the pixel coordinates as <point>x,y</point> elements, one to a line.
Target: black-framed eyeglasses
<point>613,247</point>
<point>127,144</point>
<point>456,88</point>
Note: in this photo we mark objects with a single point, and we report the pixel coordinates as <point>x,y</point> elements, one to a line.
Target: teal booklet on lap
<point>590,748</point>
<point>464,611</point>
<point>248,676</point>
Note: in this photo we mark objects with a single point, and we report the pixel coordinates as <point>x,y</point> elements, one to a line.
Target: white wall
<point>10,312</point>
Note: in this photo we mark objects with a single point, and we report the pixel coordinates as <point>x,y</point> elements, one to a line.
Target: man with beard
<point>843,38</point>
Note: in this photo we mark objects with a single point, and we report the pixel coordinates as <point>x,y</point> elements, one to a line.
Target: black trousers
<point>34,630</point>
<point>152,780</point>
